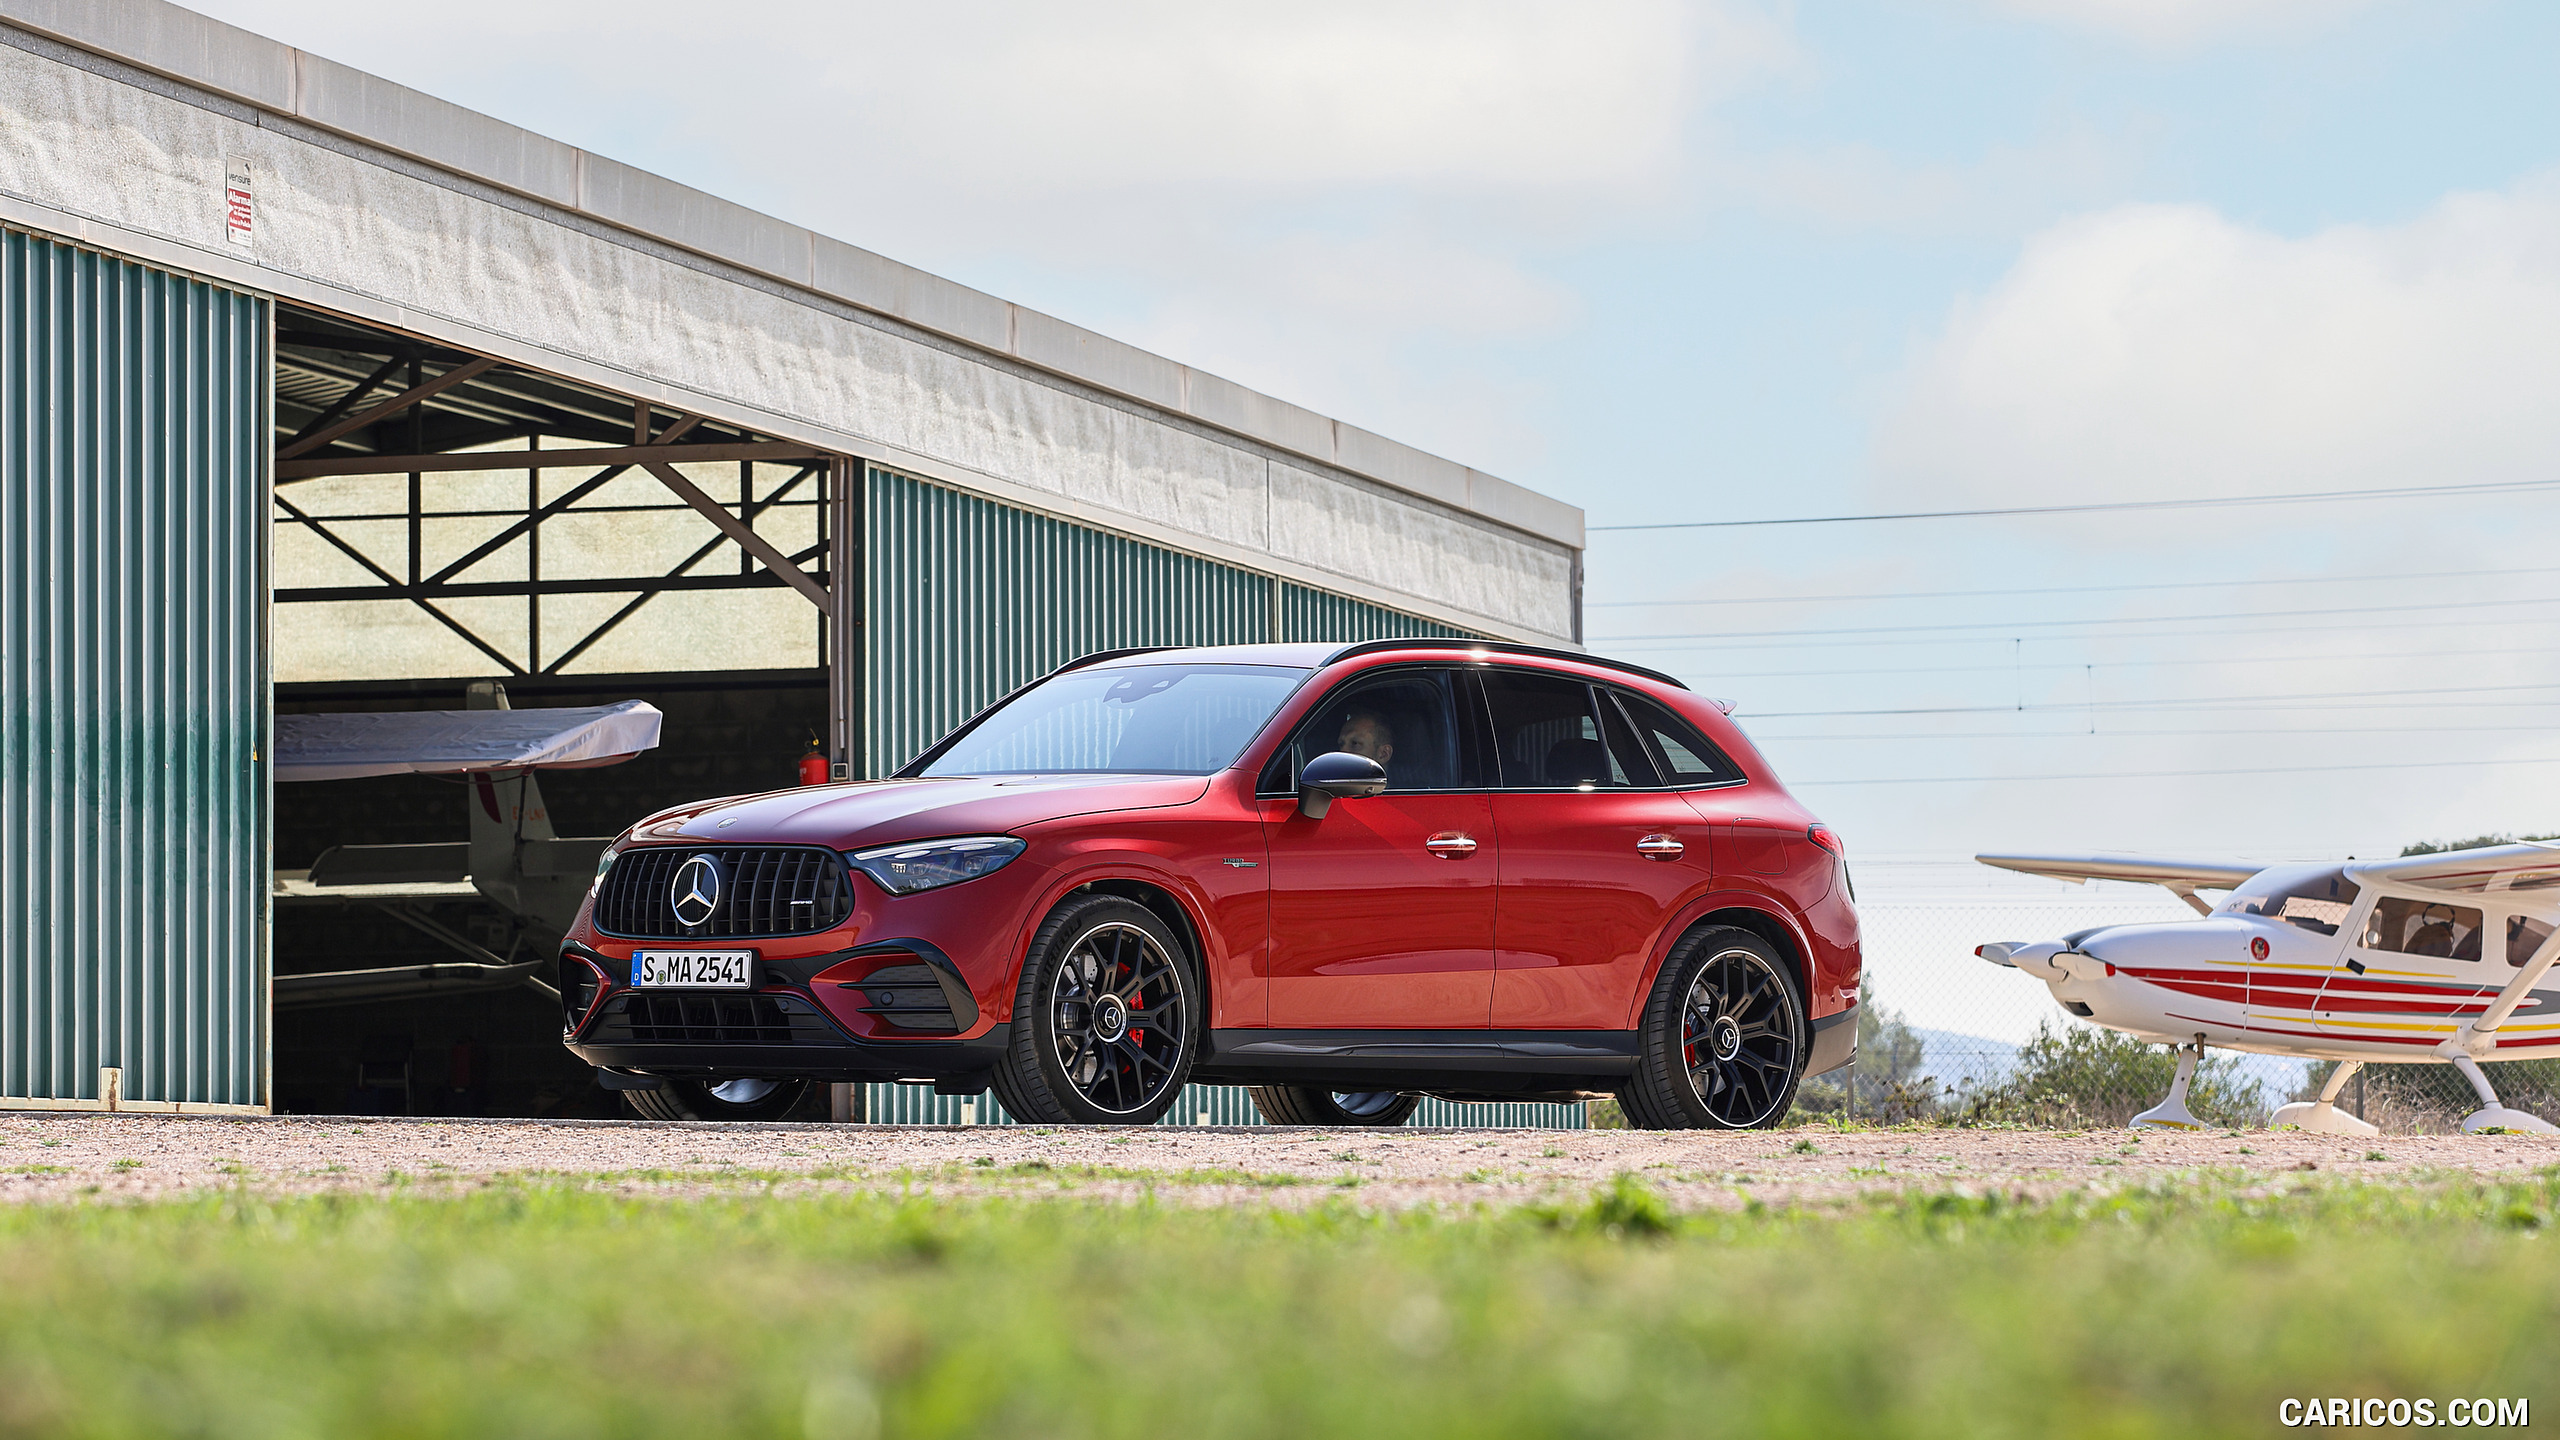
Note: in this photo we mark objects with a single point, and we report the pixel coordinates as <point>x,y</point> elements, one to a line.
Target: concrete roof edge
<point>269,75</point>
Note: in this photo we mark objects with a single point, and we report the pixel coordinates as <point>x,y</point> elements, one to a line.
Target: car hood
<point>886,812</point>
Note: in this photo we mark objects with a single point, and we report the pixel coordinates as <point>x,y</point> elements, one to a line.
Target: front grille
<point>639,1018</point>
<point>763,891</point>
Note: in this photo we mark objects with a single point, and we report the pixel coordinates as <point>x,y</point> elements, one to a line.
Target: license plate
<point>693,969</point>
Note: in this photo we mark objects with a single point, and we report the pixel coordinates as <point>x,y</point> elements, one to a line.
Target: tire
<point>1106,1022</point>
<point>1333,1109</point>
<point>738,1099</point>
<point>1723,1042</point>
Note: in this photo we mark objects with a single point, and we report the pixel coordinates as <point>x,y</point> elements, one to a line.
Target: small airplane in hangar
<point>2427,959</point>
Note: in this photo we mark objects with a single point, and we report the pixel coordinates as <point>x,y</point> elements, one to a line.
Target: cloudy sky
<point>1732,261</point>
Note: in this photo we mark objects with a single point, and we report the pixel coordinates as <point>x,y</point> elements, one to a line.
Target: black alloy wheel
<point>1723,1041</point>
<point>743,1098</point>
<point>1309,1105</point>
<point>1105,1023</point>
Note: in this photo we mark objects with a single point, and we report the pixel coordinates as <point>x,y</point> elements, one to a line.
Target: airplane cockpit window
<point>2524,936</point>
<point>2429,928</point>
<point>2316,898</point>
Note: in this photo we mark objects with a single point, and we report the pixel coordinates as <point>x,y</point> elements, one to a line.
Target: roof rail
<point>1098,656</point>
<point>1501,647</point>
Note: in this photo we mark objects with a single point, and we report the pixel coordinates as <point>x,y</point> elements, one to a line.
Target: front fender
<point>1145,865</point>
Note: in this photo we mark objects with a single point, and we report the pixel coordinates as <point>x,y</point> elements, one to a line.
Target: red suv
<point>1348,876</point>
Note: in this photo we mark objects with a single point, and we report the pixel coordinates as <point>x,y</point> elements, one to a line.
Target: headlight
<point>932,864</point>
<point>604,862</point>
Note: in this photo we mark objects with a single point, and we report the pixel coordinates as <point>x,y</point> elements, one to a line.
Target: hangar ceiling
<point>439,513</point>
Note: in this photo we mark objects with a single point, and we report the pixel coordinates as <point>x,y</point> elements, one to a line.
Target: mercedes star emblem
<point>696,891</point>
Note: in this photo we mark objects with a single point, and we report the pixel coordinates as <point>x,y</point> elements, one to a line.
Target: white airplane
<point>2430,959</point>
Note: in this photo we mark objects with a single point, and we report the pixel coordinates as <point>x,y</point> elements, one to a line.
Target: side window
<point>2423,927</point>
<point>1405,719</point>
<point>1549,733</point>
<point>2524,936</point>
<point>1687,757</point>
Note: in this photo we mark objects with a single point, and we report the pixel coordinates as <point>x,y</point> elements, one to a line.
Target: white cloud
<point>2157,349</point>
<point>1297,197</point>
<point>2003,191</point>
<point>2177,24</point>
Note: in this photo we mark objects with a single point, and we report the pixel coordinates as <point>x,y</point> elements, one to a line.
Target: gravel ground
<point>74,1158</point>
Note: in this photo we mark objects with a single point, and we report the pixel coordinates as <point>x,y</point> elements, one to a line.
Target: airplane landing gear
<point>2491,1115</point>
<point>2322,1116</point>
<point>2171,1114</point>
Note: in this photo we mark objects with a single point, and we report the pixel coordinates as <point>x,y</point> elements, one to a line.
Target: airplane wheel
<point>740,1099</point>
<point>1722,1046</point>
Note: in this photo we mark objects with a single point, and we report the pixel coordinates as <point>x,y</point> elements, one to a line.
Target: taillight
<point>1822,835</point>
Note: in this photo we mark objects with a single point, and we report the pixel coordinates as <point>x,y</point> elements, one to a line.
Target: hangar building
<point>321,394</point>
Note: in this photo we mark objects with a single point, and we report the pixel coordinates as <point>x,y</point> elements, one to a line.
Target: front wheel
<point>745,1098</point>
<point>1722,1046</point>
<point>1307,1105</point>
<point>1106,1021</point>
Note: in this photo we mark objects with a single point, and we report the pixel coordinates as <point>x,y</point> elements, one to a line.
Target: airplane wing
<point>2529,866</point>
<point>2193,874</point>
<point>433,742</point>
<point>2181,878</point>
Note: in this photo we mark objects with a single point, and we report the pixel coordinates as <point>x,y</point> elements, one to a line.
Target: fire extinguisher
<point>813,766</point>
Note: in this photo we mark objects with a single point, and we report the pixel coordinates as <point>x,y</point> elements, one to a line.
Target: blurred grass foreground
<point>2191,1308</point>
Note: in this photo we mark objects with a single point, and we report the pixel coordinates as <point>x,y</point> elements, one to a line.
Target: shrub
<point>2082,1077</point>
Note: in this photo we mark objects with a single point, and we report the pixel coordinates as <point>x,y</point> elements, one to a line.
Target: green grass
<point>540,1309</point>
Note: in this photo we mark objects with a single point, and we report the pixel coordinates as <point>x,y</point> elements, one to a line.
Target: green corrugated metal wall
<point>133,680</point>
<point>966,598</point>
<point>1208,1105</point>
<point>1321,615</point>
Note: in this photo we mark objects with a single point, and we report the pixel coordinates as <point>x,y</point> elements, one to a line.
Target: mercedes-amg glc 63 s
<point>1348,876</point>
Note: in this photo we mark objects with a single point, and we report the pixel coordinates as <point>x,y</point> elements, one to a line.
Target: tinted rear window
<point>1687,757</point>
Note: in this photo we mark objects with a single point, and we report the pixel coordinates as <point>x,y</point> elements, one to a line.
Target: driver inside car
<point>1364,733</point>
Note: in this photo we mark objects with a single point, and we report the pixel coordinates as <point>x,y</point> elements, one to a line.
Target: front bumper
<point>747,1042</point>
<point>780,1030</point>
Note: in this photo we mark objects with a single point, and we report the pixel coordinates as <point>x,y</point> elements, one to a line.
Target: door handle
<point>1450,845</point>
<point>1660,847</point>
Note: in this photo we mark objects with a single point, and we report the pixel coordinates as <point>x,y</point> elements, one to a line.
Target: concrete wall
<point>395,207</point>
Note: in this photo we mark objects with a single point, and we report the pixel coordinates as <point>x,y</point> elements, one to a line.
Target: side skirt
<point>1491,1062</point>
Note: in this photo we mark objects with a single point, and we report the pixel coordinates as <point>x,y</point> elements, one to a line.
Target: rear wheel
<point>1722,1046</point>
<point>1307,1105</point>
<point>1106,1021</point>
<point>744,1098</point>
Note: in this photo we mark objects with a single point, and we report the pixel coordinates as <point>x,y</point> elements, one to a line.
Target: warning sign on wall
<point>239,211</point>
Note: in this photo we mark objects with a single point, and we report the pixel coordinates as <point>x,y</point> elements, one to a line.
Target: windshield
<point>1129,719</point>
<point>2314,897</point>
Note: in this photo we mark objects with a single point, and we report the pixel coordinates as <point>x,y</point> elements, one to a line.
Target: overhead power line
<point>2271,731</point>
<point>2162,703</point>
<point>2061,589</point>
<point>2396,492</point>
<point>2008,668</point>
<point>2006,626</point>
<point>1900,642</point>
<point>2175,774</point>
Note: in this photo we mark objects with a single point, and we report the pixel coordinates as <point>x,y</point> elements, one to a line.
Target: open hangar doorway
<point>443,521</point>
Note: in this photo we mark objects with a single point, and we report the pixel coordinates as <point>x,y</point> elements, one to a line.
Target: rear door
<point>1382,911</point>
<point>1597,851</point>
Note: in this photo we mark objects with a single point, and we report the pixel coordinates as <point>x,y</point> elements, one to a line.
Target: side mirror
<point>1337,775</point>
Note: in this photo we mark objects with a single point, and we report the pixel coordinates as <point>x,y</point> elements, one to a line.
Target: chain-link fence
<point>1950,1036</point>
